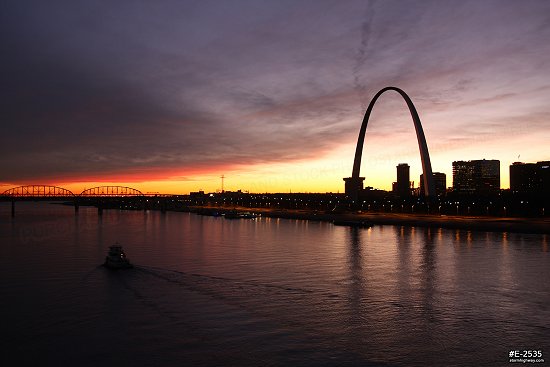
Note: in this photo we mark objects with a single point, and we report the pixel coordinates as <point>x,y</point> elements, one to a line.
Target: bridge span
<point>100,196</point>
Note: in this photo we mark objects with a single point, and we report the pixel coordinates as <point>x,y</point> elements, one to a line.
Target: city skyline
<point>168,96</point>
<point>402,176</point>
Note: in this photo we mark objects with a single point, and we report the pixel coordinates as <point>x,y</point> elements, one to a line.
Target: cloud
<point>169,89</point>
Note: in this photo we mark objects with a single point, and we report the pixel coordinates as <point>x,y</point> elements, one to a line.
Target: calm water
<point>214,292</point>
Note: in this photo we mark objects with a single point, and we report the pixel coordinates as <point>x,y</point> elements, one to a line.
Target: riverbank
<point>494,224</point>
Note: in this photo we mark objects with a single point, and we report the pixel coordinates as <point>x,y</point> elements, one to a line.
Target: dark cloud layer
<point>111,88</point>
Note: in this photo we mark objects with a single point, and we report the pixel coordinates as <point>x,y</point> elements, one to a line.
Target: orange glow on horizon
<point>320,176</point>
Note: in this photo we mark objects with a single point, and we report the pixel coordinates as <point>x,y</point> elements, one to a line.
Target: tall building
<point>531,178</point>
<point>477,176</point>
<point>403,185</point>
<point>440,183</point>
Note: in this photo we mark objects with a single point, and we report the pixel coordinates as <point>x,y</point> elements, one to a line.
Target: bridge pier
<point>76,207</point>
<point>13,208</point>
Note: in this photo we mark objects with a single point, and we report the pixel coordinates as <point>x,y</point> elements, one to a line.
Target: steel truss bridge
<point>55,192</point>
<point>101,196</point>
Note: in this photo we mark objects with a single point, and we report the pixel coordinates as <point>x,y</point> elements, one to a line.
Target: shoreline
<point>490,224</point>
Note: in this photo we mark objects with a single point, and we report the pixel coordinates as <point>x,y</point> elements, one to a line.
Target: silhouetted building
<point>199,193</point>
<point>440,183</point>
<point>476,177</point>
<point>532,178</point>
<point>403,185</point>
<point>354,186</point>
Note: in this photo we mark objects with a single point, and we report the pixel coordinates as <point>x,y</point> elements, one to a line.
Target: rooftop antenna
<point>222,177</point>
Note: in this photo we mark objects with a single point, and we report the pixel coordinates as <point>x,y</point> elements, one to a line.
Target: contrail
<point>361,57</point>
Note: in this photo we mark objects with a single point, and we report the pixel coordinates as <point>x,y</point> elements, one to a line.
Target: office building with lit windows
<point>530,178</point>
<point>476,176</point>
<point>440,183</point>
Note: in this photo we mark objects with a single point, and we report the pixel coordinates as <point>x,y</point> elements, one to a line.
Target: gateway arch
<point>354,184</point>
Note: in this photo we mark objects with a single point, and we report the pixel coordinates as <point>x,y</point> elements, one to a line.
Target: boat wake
<point>258,300</point>
<point>176,276</point>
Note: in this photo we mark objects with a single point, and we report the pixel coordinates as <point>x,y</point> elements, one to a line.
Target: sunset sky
<point>166,96</point>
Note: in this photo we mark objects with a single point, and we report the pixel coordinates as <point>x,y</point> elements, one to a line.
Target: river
<point>208,291</point>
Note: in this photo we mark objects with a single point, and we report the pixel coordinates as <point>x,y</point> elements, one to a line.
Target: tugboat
<point>236,215</point>
<point>116,258</point>
<point>233,214</point>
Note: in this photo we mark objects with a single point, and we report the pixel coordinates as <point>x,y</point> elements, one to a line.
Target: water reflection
<point>355,267</point>
<point>300,293</point>
<point>428,273</point>
<point>417,285</point>
<point>393,293</point>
